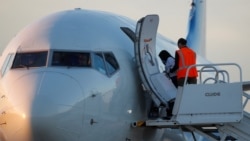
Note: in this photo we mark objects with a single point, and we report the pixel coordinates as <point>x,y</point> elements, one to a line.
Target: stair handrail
<point>215,69</point>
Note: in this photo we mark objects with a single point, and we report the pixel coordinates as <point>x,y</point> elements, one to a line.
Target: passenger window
<point>111,63</point>
<point>99,63</point>
<point>74,59</point>
<point>7,63</point>
<point>30,59</point>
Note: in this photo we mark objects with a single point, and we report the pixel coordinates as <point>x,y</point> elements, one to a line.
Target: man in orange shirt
<point>185,57</point>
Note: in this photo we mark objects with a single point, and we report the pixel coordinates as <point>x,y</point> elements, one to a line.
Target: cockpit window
<point>99,63</point>
<point>105,63</point>
<point>7,63</point>
<point>111,63</point>
<point>30,59</point>
<point>72,59</point>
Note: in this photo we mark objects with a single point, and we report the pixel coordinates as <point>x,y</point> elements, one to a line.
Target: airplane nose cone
<point>48,99</point>
<point>57,93</point>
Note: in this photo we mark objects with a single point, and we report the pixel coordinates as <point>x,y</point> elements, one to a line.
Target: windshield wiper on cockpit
<point>24,66</point>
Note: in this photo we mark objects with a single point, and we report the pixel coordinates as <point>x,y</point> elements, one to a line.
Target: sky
<point>227,21</point>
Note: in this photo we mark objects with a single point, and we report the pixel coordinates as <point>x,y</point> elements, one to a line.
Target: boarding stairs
<point>212,108</point>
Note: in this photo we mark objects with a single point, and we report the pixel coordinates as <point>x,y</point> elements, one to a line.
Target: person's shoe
<point>166,118</point>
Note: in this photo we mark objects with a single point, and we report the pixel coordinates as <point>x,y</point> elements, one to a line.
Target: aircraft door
<point>155,83</point>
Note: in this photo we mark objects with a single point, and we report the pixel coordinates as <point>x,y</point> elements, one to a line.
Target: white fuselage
<point>62,103</point>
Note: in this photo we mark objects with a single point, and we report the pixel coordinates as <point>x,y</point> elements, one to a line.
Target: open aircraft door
<point>154,82</point>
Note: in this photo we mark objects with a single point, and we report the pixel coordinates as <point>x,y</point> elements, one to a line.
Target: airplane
<point>73,75</point>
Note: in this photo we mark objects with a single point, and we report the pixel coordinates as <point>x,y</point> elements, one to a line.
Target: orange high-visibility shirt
<point>187,57</point>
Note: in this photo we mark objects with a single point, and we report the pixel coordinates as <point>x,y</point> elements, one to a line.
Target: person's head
<point>182,42</point>
<point>164,55</point>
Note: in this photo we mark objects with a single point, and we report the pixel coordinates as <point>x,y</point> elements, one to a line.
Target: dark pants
<point>190,80</point>
<point>174,80</point>
<point>169,110</point>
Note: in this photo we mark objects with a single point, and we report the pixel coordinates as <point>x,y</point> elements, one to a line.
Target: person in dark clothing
<point>168,60</point>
